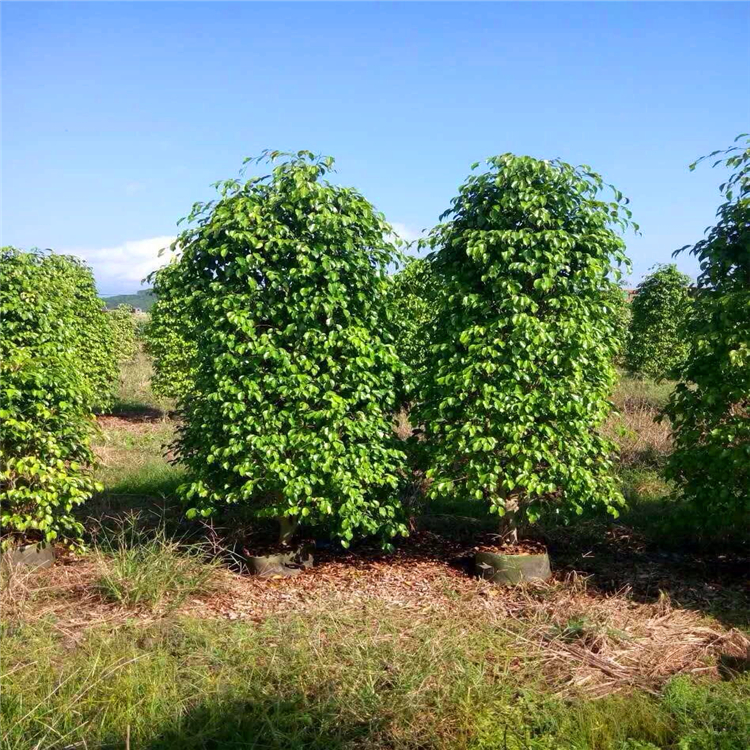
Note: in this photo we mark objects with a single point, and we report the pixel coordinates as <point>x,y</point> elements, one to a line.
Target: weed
<point>366,677</point>
<point>148,569</point>
<point>134,393</point>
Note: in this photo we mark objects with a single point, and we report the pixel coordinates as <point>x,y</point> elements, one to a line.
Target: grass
<point>370,677</point>
<point>635,389</point>
<point>162,675</point>
<point>134,392</point>
<point>134,467</point>
<point>652,505</point>
<point>145,568</point>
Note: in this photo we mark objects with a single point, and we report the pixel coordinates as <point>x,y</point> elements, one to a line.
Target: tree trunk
<point>509,528</point>
<point>509,522</point>
<point>287,528</point>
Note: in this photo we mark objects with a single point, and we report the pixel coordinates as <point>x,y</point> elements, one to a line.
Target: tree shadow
<point>618,558</point>
<point>651,554</point>
<point>285,723</point>
<point>137,412</point>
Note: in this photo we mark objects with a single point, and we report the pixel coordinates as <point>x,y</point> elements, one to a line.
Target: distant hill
<point>144,300</point>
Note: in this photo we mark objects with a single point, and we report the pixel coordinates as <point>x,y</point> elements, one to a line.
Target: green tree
<point>124,333</point>
<point>620,311</point>
<point>171,334</point>
<point>414,292</point>
<point>710,407</point>
<point>45,399</point>
<point>92,335</point>
<point>522,366</point>
<point>285,278</point>
<point>659,344</point>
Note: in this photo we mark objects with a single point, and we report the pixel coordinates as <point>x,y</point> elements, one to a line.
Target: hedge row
<point>59,353</point>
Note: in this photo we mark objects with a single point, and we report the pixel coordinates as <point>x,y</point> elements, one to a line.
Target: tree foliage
<point>289,411</point>
<point>45,394</point>
<point>522,365</point>
<point>659,344</point>
<point>619,309</point>
<point>710,407</point>
<point>171,334</point>
<point>92,335</point>
<point>124,332</point>
<point>414,291</point>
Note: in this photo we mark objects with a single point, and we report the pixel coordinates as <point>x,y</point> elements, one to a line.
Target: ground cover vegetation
<point>156,637</point>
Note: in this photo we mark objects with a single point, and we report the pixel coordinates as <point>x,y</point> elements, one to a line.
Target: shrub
<point>620,311</point>
<point>522,366</point>
<point>659,344</point>
<point>124,332</point>
<point>170,335</point>
<point>45,398</point>
<point>710,407</point>
<point>414,291</point>
<point>82,312</point>
<point>285,280</point>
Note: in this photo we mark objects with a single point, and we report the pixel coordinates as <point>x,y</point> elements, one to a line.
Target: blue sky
<point>116,117</point>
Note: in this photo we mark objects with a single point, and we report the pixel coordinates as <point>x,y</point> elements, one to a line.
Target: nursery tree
<point>45,397</point>
<point>659,343</point>
<point>83,314</point>
<point>285,278</point>
<point>522,366</point>
<point>710,407</point>
<point>619,310</point>
<point>124,333</point>
<point>414,291</point>
<point>170,334</point>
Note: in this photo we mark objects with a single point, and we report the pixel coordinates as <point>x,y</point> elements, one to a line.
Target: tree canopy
<point>285,283</point>
<point>521,369</point>
<point>48,377</point>
<point>659,341</point>
<point>710,407</point>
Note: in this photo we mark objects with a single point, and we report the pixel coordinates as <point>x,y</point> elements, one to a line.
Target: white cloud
<point>405,232</point>
<point>122,268</point>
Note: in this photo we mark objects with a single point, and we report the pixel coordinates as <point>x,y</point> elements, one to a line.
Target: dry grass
<point>634,426</point>
<point>365,650</point>
<point>638,435</point>
<point>401,425</point>
<point>582,641</point>
<point>586,642</point>
<point>598,645</point>
<point>20,588</point>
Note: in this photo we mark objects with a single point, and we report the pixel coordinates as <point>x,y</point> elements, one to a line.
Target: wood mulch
<point>589,642</point>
